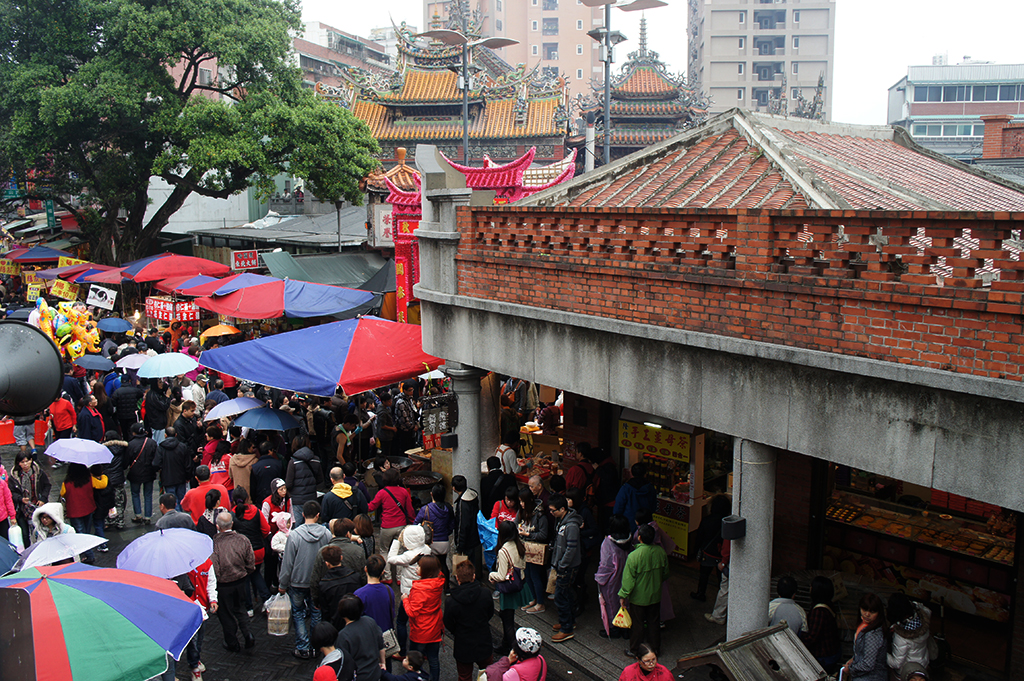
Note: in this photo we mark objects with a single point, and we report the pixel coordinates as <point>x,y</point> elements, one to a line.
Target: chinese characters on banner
<point>9,267</point>
<point>64,290</point>
<point>167,310</point>
<point>186,312</point>
<point>678,529</point>
<point>28,278</point>
<point>33,291</point>
<point>65,261</point>
<point>655,441</point>
<point>404,265</point>
<point>383,224</point>
<point>244,260</point>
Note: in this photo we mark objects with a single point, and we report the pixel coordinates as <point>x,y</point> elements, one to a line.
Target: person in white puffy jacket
<point>404,555</point>
<point>910,632</point>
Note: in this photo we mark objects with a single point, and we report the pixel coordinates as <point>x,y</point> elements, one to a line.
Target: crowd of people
<point>373,578</point>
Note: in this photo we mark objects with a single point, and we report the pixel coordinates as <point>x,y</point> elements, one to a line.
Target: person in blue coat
<point>636,493</point>
<point>90,423</point>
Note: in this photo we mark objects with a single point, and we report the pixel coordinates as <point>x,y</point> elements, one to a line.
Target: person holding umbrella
<point>140,472</point>
<point>77,493</point>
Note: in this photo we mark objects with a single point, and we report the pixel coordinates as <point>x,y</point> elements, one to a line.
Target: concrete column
<point>467,455</point>
<point>750,565</point>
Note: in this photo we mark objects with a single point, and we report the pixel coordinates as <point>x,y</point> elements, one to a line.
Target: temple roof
<point>425,85</point>
<point>402,175</point>
<point>645,76</point>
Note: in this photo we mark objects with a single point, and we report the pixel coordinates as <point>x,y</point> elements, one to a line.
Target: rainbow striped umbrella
<point>80,623</point>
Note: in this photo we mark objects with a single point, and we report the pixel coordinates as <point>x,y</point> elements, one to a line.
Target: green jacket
<point>646,570</point>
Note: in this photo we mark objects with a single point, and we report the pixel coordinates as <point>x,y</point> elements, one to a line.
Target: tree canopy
<point>98,96</point>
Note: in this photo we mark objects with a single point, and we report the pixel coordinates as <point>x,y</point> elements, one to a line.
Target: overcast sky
<point>876,40</point>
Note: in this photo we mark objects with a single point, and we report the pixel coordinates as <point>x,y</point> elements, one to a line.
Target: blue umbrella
<point>8,555</point>
<point>114,325</point>
<point>166,553</point>
<point>233,407</point>
<point>167,364</point>
<point>79,450</point>
<point>94,363</point>
<point>266,418</point>
<point>21,313</point>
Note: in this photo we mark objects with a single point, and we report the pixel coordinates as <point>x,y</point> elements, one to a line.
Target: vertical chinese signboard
<point>406,248</point>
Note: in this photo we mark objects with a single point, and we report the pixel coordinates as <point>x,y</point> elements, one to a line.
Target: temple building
<point>648,103</point>
<point>511,110</point>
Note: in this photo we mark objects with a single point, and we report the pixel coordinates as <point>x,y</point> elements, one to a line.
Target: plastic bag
<point>622,619</point>
<point>488,538</point>
<point>14,536</point>
<point>279,615</point>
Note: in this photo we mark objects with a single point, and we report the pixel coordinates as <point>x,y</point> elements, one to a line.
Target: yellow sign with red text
<point>9,267</point>
<point>64,290</point>
<point>654,441</point>
<point>65,261</point>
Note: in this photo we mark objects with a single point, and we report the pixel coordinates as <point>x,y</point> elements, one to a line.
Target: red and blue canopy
<point>285,298</point>
<point>357,354</point>
<point>38,254</point>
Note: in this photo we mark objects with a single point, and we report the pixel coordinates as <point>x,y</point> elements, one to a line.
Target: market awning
<point>383,281</point>
<point>335,269</point>
<point>286,298</point>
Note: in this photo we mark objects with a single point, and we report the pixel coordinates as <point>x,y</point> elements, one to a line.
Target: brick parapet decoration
<point>856,283</point>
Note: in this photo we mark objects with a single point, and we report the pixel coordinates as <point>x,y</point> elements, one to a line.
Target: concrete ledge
<point>437,236</point>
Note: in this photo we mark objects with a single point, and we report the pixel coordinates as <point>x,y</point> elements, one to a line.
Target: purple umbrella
<point>78,450</point>
<point>166,553</point>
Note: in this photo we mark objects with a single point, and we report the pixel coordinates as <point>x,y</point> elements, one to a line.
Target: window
<point>534,3</point>
<point>551,5</point>
<point>205,76</point>
<point>741,43</point>
<point>985,93</point>
<point>796,42</point>
<point>796,67</point>
<point>965,130</point>
<point>579,24</point>
<point>579,74</point>
<point>533,25</point>
<point>497,24</point>
<point>739,68</point>
<point>1007,93</point>
<point>534,50</point>
<point>979,130</point>
<point>739,95</point>
<point>795,93</point>
<point>796,16</point>
<point>551,51</point>
<point>932,93</point>
<point>743,17</point>
<point>920,130</point>
<point>579,49</point>
<point>497,5</point>
<point>934,131</point>
<point>949,131</point>
<point>550,26</point>
<point>953,93</point>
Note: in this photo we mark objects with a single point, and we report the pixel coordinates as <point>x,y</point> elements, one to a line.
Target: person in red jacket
<point>423,606</point>
<point>204,586</point>
<point>64,420</point>
<point>77,492</point>
<point>395,503</point>
<point>194,502</point>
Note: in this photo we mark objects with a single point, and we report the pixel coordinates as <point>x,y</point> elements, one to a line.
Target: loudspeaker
<point>31,369</point>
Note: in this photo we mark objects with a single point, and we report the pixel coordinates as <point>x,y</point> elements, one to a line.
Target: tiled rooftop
<point>426,85</point>
<point>647,81</point>
<point>498,121</point>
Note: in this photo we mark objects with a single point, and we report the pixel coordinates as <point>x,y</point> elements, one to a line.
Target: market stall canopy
<point>172,284</point>
<point>336,269</point>
<point>773,653</point>
<point>383,281</point>
<point>113,276</point>
<point>357,354</point>
<point>70,271</point>
<point>285,298</point>
<point>172,264</point>
<point>38,254</point>
<point>222,287</point>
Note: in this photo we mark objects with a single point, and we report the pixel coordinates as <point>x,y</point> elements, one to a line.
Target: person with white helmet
<point>524,663</point>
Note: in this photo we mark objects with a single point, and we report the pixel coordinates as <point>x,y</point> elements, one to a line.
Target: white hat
<point>528,640</point>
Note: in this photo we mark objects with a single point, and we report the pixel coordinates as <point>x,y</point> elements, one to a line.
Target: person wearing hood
<point>303,475</point>
<point>910,632</point>
<point>635,494</point>
<point>342,501</point>
<point>240,467</point>
<point>335,665</point>
<point>174,461</point>
<point>423,607</point>
<point>406,551</point>
<point>614,551</point>
<point>300,555</point>
<point>467,614</point>
<point>48,521</point>
<point>565,561</point>
<point>265,471</point>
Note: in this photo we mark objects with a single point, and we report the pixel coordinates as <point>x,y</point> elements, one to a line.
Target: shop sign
<point>654,441</point>
<point>51,216</point>
<point>65,261</point>
<point>679,530</point>
<point>159,308</point>
<point>245,260</point>
<point>64,290</point>
<point>383,226</point>
<point>9,267</point>
<point>29,278</point>
<point>101,297</point>
<point>33,291</point>
<point>186,312</point>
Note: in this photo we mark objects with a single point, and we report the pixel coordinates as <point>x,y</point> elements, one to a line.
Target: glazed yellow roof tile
<point>426,85</point>
<point>498,121</point>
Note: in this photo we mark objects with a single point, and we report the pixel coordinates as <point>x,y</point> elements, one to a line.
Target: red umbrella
<point>171,284</point>
<point>227,284</point>
<point>38,254</point>
<point>174,265</point>
<point>113,276</point>
<point>285,297</point>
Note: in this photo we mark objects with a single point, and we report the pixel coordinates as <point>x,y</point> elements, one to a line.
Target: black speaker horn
<point>31,369</point>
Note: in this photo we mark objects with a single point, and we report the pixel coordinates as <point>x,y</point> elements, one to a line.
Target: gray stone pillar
<point>750,565</point>
<point>467,455</point>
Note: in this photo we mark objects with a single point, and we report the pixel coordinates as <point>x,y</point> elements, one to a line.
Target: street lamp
<point>450,37</point>
<point>610,38</point>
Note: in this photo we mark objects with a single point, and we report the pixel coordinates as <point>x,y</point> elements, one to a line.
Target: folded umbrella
<point>132,361</point>
<point>94,363</point>
<point>79,450</point>
<point>114,325</point>
<point>53,549</point>
<point>233,407</point>
<point>266,418</point>
<point>77,622</point>
<point>168,364</point>
<point>166,553</point>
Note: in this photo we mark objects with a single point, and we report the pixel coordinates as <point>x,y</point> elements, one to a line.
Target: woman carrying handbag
<point>509,566</point>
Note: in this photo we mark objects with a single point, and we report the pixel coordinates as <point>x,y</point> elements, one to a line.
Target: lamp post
<point>610,39</point>
<point>450,37</point>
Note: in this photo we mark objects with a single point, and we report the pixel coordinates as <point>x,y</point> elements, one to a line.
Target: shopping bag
<point>279,615</point>
<point>552,576</point>
<point>622,619</point>
<point>488,538</point>
<point>536,552</point>
<point>14,536</point>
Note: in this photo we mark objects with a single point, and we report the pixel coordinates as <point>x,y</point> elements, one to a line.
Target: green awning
<point>337,269</point>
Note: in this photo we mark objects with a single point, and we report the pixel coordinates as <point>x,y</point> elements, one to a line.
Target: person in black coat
<point>157,401</point>
<point>465,536</point>
<point>90,423</point>
<point>126,406</point>
<point>140,471</point>
<point>303,476</point>
<point>264,471</point>
<point>467,612</point>
<point>187,428</point>
<point>494,484</point>
<point>175,463</point>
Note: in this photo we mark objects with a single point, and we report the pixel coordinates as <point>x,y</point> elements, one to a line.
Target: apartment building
<point>551,34</point>
<point>942,105</point>
<point>324,51</point>
<point>744,53</point>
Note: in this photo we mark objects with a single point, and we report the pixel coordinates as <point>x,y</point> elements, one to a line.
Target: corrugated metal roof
<point>960,73</point>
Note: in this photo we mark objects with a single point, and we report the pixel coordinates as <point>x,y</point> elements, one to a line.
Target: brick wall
<point>792,513</point>
<point>856,283</point>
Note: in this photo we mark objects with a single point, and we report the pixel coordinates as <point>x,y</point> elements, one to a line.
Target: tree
<point>98,96</point>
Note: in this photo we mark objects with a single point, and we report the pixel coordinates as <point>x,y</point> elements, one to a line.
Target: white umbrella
<point>234,407</point>
<point>132,361</point>
<point>53,549</point>
<point>166,553</point>
<point>168,364</point>
<point>79,450</point>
